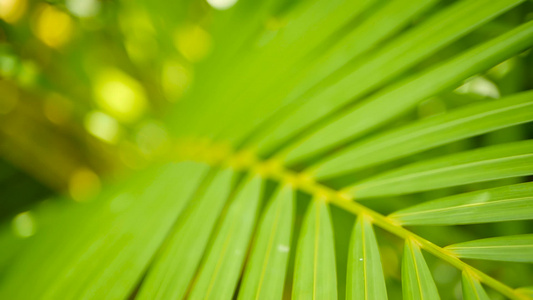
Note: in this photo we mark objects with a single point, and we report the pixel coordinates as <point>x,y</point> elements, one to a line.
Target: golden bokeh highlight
<point>83,184</point>
<point>102,126</point>
<point>120,95</point>
<point>53,26</point>
<point>12,10</point>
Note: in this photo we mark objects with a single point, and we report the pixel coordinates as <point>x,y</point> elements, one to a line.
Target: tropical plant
<point>313,149</point>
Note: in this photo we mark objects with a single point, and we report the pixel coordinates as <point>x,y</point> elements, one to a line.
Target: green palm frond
<point>297,162</point>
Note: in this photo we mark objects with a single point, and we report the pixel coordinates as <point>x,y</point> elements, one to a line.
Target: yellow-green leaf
<point>222,267</point>
<point>472,289</point>
<point>417,281</point>
<point>174,268</point>
<point>402,96</point>
<point>365,279</point>
<point>490,163</point>
<point>105,245</point>
<point>429,133</point>
<point>315,275</point>
<point>265,273</point>
<point>517,248</point>
<point>374,70</point>
<point>507,203</point>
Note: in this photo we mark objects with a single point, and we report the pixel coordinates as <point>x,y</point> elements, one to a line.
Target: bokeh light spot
<point>175,79</point>
<point>193,42</point>
<point>139,36</point>
<point>53,27</point>
<point>27,73</point>
<point>102,126</point>
<point>24,224</point>
<point>83,184</point>
<point>120,95</point>
<point>480,86</point>
<point>8,66</point>
<point>83,8</point>
<point>12,10</point>
<point>221,4</point>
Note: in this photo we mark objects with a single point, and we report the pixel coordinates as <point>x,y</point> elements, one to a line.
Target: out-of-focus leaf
<point>365,279</point>
<point>105,247</point>
<point>311,25</point>
<point>174,268</point>
<point>518,248</point>
<point>315,275</point>
<point>490,163</point>
<point>507,203</point>
<point>221,269</point>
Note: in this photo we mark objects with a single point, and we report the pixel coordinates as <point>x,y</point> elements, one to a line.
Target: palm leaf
<point>417,281</point>
<point>365,279</point>
<point>265,275</point>
<point>507,248</point>
<point>400,97</point>
<point>218,276</point>
<point>315,274</point>
<point>426,134</point>
<point>501,161</point>
<point>108,249</point>
<point>281,104</point>
<point>472,289</point>
<point>506,203</point>
<point>418,43</point>
<point>175,267</point>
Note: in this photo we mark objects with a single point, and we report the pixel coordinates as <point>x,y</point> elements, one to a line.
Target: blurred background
<point>83,85</point>
<point>89,88</point>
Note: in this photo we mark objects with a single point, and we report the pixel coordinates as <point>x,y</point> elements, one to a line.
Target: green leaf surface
<point>507,203</point>
<point>315,275</point>
<point>472,289</point>
<point>489,163</point>
<point>365,279</point>
<point>404,95</point>
<point>104,253</point>
<point>174,268</point>
<point>311,25</point>
<point>517,248</point>
<point>266,270</point>
<point>371,72</point>
<point>359,40</point>
<point>417,281</point>
<point>222,267</point>
<point>428,133</point>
